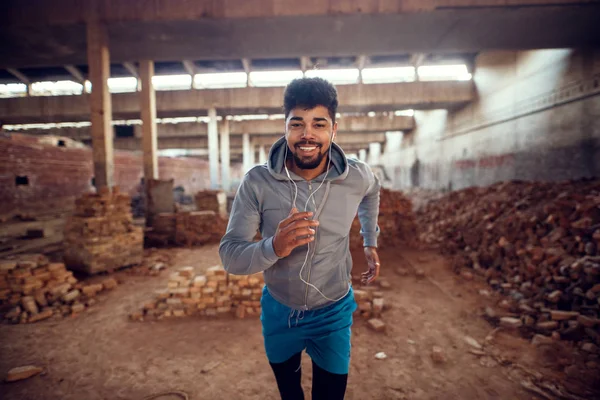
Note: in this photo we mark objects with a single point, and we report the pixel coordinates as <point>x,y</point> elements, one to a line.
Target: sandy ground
<point>102,355</point>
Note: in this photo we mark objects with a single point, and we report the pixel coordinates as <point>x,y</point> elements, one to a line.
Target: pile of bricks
<point>370,306</point>
<point>191,228</point>
<point>213,294</point>
<point>33,289</point>
<point>101,236</point>
<point>536,244</point>
<point>212,200</point>
<point>397,221</point>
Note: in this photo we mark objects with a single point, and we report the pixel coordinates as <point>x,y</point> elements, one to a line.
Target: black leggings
<point>326,386</point>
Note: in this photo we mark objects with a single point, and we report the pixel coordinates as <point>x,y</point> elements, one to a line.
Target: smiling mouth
<point>308,149</point>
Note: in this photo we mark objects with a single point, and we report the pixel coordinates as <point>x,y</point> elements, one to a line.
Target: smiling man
<point>303,201</point>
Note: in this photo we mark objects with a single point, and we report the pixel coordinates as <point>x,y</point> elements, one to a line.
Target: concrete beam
<point>19,75</point>
<point>225,156</point>
<point>149,136</point>
<point>237,142</point>
<point>179,29</point>
<point>213,148</point>
<point>251,100</point>
<point>130,67</point>
<point>100,104</point>
<point>76,73</point>
<point>63,11</point>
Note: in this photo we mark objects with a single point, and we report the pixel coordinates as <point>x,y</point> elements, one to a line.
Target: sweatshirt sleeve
<point>239,253</point>
<point>368,210</point>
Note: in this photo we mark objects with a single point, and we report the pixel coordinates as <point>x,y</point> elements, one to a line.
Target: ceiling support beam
<point>247,68</point>
<point>416,60</point>
<point>191,69</point>
<point>22,77</point>
<point>131,68</point>
<point>361,61</point>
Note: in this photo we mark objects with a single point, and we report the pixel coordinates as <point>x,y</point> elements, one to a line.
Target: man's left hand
<point>373,266</point>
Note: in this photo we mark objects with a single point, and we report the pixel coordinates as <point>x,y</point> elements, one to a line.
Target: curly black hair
<point>309,93</point>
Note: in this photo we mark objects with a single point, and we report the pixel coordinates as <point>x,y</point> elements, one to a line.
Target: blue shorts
<point>324,333</point>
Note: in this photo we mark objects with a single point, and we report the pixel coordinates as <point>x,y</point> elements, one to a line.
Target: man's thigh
<point>332,351</point>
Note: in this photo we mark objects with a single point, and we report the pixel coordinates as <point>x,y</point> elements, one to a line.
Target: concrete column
<point>246,152</point>
<point>100,104</point>
<point>252,154</point>
<point>148,107</point>
<point>213,149</point>
<point>362,155</point>
<point>262,155</point>
<point>225,164</point>
<point>374,153</point>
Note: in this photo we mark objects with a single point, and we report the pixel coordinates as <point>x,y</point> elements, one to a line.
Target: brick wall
<point>56,175</point>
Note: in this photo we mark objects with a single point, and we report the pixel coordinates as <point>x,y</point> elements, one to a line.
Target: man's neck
<point>307,174</point>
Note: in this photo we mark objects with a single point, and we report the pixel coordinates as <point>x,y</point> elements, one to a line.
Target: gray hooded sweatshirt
<point>265,197</point>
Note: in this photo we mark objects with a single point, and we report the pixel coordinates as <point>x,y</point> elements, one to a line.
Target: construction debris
<point>536,244</point>
<point>397,222</point>
<point>33,289</point>
<point>101,236</point>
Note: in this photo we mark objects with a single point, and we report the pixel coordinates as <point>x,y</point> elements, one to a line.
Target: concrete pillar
<point>262,155</point>
<point>246,157</point>
<point>362,155</point>
<point>252,154</point>
<point>148,107</point>
<point>100,104</point>
<point>225,164</point>
<point>213,149</point>
<point>374,153</point>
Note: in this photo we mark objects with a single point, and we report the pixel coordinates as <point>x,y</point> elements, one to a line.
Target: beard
<point>308,162</point>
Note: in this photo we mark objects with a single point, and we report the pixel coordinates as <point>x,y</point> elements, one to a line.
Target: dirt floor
<point>102,355</point>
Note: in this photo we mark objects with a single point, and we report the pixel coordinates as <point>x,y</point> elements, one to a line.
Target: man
<point>304,201</point>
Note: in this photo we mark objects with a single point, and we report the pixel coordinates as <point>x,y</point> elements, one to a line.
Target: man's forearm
<point>246,258</point>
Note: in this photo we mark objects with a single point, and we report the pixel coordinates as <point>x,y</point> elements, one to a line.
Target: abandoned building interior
<point>126,128</point>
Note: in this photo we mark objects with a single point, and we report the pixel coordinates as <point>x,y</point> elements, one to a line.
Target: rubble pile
<point>187,228</point>
<point>212,200</point>
<point>213,294</point>
<point>536,244</point>
<point>101,236</point>
<point>33,289</point>
<point>397,221</point>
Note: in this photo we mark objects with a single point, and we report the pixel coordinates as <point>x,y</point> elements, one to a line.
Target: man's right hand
<point>296,230</point>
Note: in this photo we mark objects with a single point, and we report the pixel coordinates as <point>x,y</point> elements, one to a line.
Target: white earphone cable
<point>305,208</point>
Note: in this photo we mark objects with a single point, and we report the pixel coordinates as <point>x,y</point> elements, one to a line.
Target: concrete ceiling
<point>31,44</point>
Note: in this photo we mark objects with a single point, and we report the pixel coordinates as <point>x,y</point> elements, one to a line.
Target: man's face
<point>309,134</point>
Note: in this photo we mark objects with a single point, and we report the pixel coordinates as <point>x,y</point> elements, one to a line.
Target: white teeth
<point>307,148</point>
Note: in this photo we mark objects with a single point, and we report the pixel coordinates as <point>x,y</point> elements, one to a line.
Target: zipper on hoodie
<point>308,276</point>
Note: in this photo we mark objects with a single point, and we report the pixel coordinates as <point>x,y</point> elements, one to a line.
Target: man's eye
<point>320,126</point>
<point>295,125</point>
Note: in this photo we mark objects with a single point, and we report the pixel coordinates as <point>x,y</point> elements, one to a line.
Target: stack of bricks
<point>397,221</point>
<point>214,294</point>
<point>370,306</point>
<point>212,200</point>
<point>192,228</point>
<point>101,236</point>
<point>33,289</point>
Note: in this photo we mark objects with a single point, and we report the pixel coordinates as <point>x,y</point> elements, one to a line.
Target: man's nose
<point>307,133</point>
